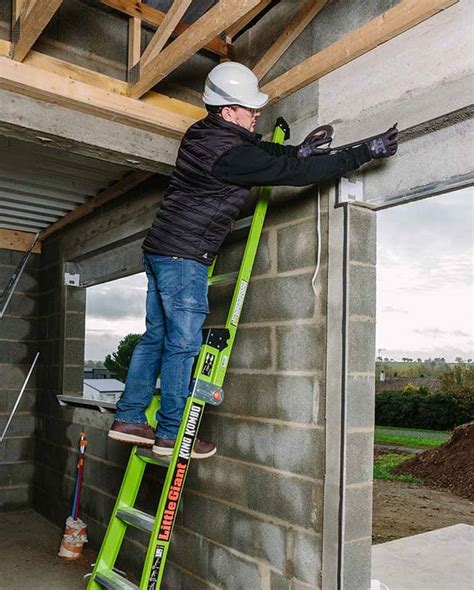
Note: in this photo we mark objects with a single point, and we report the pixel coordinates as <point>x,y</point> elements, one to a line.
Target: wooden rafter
<point>159,39</point>
<point>221,16</point>
<point>12,239</point>
<point>134,45</point>
<point>30,81</point>
<point>33,21</point>
<point>302,19</point>
<point>235,29</point>
<point>155,17</point>
<point>120,187</point>
<point>65,69</point>
<point>403,16</point>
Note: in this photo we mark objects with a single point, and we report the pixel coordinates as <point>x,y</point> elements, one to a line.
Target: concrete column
<point>349,398</point>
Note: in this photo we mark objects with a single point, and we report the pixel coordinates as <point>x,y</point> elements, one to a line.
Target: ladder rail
<point>210,368</point>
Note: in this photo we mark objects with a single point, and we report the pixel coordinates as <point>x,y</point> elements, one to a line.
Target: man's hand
<point>384,145</point>
<point>314,142</point>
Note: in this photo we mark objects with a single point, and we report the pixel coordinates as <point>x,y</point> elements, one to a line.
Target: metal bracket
<point>216,337</point>
<point>207,392</point>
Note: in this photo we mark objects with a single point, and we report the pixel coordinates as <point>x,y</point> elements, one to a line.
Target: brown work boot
<point>135,434</point>
<point>202,450</point>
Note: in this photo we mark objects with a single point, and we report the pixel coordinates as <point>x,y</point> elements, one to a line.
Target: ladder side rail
<point>126,497</point>
<point>173,487</point>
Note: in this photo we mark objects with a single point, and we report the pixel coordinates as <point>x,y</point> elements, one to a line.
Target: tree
<point>458,359</point>
<point>459,382</point>
<point>119,361</point>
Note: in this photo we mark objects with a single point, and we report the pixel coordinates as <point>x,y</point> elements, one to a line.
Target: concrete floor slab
<point>438,560</point>
<point>28,552</point>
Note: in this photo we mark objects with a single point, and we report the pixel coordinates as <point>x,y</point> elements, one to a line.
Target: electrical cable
<point>318,260</point>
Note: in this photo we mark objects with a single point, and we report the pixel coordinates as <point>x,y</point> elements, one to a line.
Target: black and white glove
<point>384,145</point>
<point>316,143</point>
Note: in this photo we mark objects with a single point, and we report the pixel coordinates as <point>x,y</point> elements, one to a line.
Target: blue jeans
<point>176,307</point>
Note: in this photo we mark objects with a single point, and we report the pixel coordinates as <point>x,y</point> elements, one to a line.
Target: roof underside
<point>39,184</point>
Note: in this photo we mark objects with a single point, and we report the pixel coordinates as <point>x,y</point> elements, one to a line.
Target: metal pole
<point>19,397</point>
<point>12,283</point>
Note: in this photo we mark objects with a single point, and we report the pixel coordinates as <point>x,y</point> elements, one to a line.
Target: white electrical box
<point>71,280</point>
<point>350,190</point>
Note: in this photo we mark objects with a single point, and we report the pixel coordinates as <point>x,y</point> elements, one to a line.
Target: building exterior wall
<point>18,346</point>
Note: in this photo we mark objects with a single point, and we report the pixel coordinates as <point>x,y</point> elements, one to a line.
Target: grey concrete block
<point>358,521</point>
<point>357,564</point>
<point>232,572</point>
<point>17,449</point>
<point>252,349</point>
<point>281,397</point>
<point>300,347</point>
<point>279,299</point>
<point>28,282</point>
<point>263,540</point>
<point>299,450</point>
<point>207,518</point>
<point>14,474</point>
<point>297,246</point>
<point>363,235</point>
<point>13,376</point>
<point>16,498</point>
<point>17,353</point>
<point>362,291</point>
<point>74,352</point>
<point>75,325</point>
<point>6,256</point>
<point>307,558</point>
<point>360,402</point>
<point>26,306</point>
<point>191,552</point>
<point>360,457</point>
<point>278,582</point>
<point>73,380</point>
<point>172,577</point>
<point>21,424</point>
<point>291,204</point>
<point>361,348</point>
<point>76,299</point>
<point>8,399</point>
<point>220,298</point>
<point>17,329</point>
<point>248,441</point>
<point>230,256</point>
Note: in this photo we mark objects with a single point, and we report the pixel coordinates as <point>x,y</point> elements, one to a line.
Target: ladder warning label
<point>174,492</point>
<point>239,303</point>
<point>208,364</point>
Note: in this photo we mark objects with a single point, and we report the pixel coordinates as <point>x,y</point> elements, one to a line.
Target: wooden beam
<point>134,47</point>
<point>403,16</point>
<point>159,39</point>
<point>67,70</point>
<point>12,239</point>
<point>235,29</point>
<point>128,182</point>
<point>221,16</point>
<point>29,81</point>
<point>304,16</point>
<point>32,24</point>
<point>155,17</point>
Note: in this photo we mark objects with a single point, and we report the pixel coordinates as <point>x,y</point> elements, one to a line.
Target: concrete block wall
<point>18,346</point>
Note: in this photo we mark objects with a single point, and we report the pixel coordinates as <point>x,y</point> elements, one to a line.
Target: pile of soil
<point>450,466</point>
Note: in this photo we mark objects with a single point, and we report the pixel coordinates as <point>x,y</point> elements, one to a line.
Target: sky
<point>425,280</point>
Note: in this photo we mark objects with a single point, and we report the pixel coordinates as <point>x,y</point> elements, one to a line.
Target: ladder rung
<point>149,456</point>
<point>229,277</point>
<point>137,518</point>
<point>241,223</point>
<point>113,581</point>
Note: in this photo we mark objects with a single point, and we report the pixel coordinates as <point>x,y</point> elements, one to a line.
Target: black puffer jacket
<point>218,162</point>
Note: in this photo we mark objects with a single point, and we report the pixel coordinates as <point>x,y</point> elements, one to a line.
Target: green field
<point>384,463</point>
<point>418,442</point>
<point>412,429</point>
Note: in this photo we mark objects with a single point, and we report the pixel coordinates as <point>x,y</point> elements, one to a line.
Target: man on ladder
<point>219,160</point>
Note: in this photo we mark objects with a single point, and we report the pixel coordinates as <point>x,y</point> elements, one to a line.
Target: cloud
<point>392,309</point>
<point>120,299</point>
<point>438,332</point>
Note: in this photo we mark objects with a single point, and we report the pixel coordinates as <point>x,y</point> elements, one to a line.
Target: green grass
<point>384,463</point>
<point>413,429</point>
<point>418,442</point>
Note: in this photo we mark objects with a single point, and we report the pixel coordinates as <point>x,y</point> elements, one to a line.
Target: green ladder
<point>209,374</point>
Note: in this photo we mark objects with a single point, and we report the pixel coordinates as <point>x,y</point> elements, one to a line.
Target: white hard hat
<point>233,83</point>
